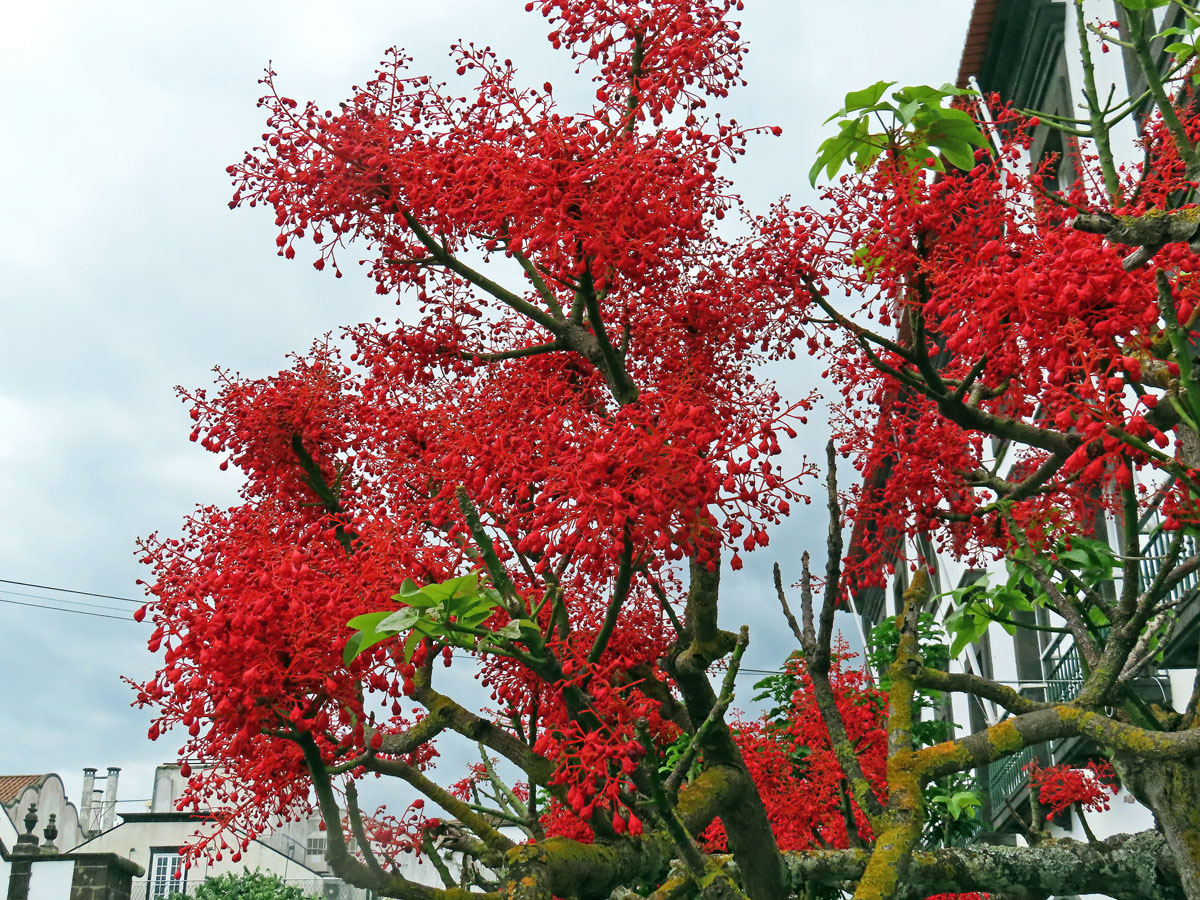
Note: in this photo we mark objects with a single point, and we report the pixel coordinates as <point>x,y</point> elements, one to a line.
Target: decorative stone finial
<point>27,842</point>
<point>50,832</point>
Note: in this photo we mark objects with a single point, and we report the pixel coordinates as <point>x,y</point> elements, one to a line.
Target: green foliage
<point>931,641</point>
<point>913,121</point>
<point>248,885</point>
<point>779,688</point>
<point>1089,563</point>
<point>1184,47</point>
<point>952,811</point>
<point>1143,4</point>
<point>451,612</point>
<point>674,752</point>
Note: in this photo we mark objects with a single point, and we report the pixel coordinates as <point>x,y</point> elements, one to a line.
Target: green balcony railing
<point>1006,777</point>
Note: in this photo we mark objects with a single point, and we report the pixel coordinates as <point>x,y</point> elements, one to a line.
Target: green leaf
<point>511,631</point>
<point>369,621</point>
<point>973,628</point>
<point>366,636</point>
<point>1009,598</point>
<point>1143,4</point>
<point>931,96</point>
<point>963,801</point>
<point>836,150</point>
<point>465,585</point>
<point>400,621</point>
<point>863,99</point>
<point>1180,50</point>
<point>905,111</point>
<point>958,152</point>
<point>352,648</point>
<point>475,618</point>
<point>866,154</point>
<point>961,129</point>
<point>410,644</point>
<point>1077,555</point>
<point>419,599</point>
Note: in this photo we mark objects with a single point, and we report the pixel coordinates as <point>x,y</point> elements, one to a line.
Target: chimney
<point>87,821</point>
<point>110,798</point>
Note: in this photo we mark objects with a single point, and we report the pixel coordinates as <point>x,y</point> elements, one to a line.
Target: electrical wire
<point>62,600</point>
<point>79,612</point>
<point>47,587</point>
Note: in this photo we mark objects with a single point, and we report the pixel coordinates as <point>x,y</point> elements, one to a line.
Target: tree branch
<point>503,294</point>
<point>479,825</point>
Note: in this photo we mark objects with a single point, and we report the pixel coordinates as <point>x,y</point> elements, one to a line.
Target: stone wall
<point>102,876</point>
<point>43,873</point>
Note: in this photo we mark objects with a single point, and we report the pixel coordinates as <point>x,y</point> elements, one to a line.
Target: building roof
<point>12,785</point>
<point>979,32</point>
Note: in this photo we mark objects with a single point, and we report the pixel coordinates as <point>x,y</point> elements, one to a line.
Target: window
<point>166,874</point>
<point>316,846</point>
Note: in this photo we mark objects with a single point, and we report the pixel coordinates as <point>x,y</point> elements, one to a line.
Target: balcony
<point>1185,635</point>
<point>1064,677</point>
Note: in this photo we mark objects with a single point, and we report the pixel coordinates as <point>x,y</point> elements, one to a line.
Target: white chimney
<point>110,798</point>
<point>87,821</point>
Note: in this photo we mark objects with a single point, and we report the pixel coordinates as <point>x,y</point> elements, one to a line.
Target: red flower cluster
<point>1059,788</point>
<point>795,769</point>
<point>995,319</point>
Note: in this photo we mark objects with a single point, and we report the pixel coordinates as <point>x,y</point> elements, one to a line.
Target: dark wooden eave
<point>979,33</point>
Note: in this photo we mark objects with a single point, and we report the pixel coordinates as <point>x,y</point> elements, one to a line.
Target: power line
<point>79,612</point>
<point>47,587</point>
<point>61,600</point>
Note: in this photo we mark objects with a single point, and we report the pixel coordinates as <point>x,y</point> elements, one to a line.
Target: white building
<point>153,838</point>
<point>295,852</point>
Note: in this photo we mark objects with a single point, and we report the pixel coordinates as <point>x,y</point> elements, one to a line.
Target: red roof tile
<point>12,785</point>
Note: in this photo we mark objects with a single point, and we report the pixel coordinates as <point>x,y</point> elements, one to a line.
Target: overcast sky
<point>124,274</point>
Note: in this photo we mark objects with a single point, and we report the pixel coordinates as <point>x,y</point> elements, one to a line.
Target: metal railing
<point>1064,670</point>
<point>1064,680</point>
<point>1006,777</point>
<point>1153,553</point>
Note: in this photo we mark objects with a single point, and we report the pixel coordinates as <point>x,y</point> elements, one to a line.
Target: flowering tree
<point>544,467</point>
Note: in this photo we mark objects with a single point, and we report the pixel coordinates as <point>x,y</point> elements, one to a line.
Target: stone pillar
<point>103,876</point>
<point>23,855</point>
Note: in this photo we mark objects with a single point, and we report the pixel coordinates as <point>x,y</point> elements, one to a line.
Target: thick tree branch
<point>750,836</point>
<point>1032,728</point>
<point>1125,866</point>
<point>887,867</point>
<point>675,779</point>
<point>966,683</point>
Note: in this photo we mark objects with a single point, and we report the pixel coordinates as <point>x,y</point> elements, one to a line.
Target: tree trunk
<point>1171,788</point>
